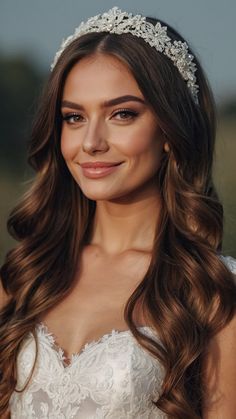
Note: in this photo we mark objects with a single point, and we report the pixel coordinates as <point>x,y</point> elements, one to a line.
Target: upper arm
<point>3,296</point>
<point>219,375</point>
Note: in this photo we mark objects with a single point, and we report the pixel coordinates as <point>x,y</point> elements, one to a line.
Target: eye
<point>72,118</point>
<point>125,114</point>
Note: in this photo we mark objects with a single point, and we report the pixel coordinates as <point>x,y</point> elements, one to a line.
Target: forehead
<point>100,75</point>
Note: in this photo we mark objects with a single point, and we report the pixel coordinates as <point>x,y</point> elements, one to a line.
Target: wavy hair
<point>187,293</point>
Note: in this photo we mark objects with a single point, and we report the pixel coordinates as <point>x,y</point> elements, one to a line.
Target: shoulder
<point>230,262</point>
<point>219,374</point>
<point>4,298</point>
<point>219,367</point>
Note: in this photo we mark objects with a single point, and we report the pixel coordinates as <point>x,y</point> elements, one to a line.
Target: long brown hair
<point>188,293</point>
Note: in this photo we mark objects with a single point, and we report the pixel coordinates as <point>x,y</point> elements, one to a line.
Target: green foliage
<point>20,84</point>
<point>225,179</point>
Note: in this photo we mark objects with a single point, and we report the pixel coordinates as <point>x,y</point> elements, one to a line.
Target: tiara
<point>118,22</point>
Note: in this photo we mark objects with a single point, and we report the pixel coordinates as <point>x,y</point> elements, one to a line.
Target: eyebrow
<point>106,103</point>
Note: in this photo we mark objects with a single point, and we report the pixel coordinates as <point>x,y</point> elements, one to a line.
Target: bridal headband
<point>118,22</point>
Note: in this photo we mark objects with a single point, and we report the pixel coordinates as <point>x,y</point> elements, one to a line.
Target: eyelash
<point>132,115</point>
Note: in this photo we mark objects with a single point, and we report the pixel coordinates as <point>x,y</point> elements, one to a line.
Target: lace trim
<point>230,262</point>
<point>44,332</point>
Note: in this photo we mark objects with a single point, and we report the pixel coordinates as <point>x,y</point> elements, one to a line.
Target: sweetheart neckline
<point>67,362</point>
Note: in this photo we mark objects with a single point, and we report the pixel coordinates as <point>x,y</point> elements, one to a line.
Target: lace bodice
<point>110,378</point>
<point>113,378</point>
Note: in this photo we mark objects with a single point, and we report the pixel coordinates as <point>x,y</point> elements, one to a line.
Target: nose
<point>95,137</point>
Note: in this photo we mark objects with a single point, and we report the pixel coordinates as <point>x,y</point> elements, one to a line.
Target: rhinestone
<point>122,22</point>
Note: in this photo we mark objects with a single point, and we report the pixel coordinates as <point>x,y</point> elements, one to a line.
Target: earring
<point>166,147</point>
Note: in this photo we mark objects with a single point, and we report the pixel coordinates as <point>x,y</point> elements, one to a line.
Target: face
<point>107,121</point>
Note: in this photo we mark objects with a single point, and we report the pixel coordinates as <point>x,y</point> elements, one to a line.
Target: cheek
<point>142,142</point>
<point>68,147</point>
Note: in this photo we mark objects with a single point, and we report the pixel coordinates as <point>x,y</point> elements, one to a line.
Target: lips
<point>98,170</point>
<point>94,165</point>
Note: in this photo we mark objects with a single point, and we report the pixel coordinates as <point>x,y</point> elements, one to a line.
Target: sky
<point>37,28</point>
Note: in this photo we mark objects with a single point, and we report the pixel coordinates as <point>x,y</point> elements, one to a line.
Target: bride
<point>117,301</point>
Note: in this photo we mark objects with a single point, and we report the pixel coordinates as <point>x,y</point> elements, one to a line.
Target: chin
<point>96,195</point>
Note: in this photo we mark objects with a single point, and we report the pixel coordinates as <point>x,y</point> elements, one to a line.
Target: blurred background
<point>30,34</point>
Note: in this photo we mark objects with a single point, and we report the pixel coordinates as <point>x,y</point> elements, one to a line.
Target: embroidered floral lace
<point>113,378</point>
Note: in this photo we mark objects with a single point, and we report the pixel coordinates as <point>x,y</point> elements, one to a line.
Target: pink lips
<point>96,170</point>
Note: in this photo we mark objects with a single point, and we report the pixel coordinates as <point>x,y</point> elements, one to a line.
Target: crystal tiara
<point>118,22</point>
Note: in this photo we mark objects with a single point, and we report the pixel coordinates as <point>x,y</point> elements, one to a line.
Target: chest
<point>96,304</point>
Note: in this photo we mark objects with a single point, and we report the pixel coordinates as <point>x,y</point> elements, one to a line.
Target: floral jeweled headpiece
<point>118,22</point>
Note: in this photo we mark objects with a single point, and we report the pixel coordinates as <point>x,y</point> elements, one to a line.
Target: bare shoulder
<point>219,367</point>
<point>4,298</point>
<point>219,374</point>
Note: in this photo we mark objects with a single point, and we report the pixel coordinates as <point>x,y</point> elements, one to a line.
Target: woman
<point>119,257</point>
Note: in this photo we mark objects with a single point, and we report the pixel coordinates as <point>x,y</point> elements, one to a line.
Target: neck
<point>127,223</point>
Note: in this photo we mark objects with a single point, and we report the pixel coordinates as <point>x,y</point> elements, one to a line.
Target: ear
<point>166,147</point>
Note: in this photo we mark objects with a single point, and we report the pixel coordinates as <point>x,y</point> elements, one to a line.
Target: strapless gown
<point>113,378</point>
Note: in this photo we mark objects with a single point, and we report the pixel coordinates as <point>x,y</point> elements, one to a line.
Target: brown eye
<point>72,118</point>
<point>126,114</point>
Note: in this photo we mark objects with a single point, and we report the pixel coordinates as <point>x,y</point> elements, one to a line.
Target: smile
<point>98,172</point>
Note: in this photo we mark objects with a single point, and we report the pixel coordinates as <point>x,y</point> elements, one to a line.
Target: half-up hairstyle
<point>188,294</point>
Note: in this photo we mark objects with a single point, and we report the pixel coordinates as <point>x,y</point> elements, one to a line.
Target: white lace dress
<point>113,378</point>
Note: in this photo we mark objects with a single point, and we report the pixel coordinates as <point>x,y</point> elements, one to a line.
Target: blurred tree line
<point>20,86</point>
<point>20,83</point>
